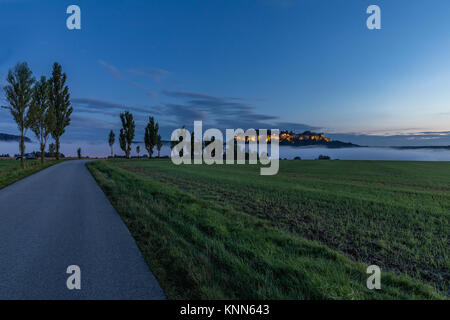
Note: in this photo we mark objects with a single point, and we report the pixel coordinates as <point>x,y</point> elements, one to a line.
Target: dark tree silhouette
<point>19,92</point>
<point>151,133</point>
<point>41,115</point>
<point>59,103</point>
<point>111,140</point>
<point>127,132</point>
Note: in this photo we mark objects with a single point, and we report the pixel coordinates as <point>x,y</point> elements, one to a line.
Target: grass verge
<point>11,172</point>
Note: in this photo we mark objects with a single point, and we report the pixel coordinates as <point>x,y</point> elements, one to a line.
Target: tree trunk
<point>22,151</point>
<point>111,151</point>
<point>42,152</point>
<point>57,148</point>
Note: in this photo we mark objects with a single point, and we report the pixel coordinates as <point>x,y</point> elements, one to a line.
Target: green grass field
<point>213,232</point>
<point>11,172</point>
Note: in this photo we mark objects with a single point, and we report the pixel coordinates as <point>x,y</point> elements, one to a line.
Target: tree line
<point>40,105</point>
<point>152,138</point>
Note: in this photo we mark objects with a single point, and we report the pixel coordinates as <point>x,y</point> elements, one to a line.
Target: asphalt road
<point>60,217</point>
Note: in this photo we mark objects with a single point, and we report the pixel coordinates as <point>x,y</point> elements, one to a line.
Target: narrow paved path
<point>60,217</point>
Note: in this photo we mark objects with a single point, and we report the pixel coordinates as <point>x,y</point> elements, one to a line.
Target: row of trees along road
<point>42,106</point>
<point>152,138</point>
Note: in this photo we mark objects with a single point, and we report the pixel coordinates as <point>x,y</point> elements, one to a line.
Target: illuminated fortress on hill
<point>294,138</point>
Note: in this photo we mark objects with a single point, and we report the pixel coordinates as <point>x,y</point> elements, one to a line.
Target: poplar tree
<point>19,93</point>
<point>111,140</point>
<point>59,99</point>
<point>40,114</point>
<point>127,132</point>
<point>151,133</point>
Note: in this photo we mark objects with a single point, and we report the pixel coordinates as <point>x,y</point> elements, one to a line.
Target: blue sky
<point>284,64</point>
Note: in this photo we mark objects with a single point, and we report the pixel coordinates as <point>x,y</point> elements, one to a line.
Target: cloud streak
<point>103,107</point>
<point>186,107</point>
<point>117,74</point>
<point>222,112</point>
<point>113,71</point>
<point>155,74</point>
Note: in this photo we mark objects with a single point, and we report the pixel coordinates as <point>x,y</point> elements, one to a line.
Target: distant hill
<point>12,137</point>
<point>307,138</point>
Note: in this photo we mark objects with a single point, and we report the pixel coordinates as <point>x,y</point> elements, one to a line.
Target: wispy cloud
<point>102,107</point>
<point>415,139</point>
<point>184,107</point>
<point>112,70</point>
<point>93,118</point>
<point>88,122</point>
<point>222,112</point>
<point>117,74</point>
<point>219,112</point>
<point>397,132</point>
<point>155,74</point>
